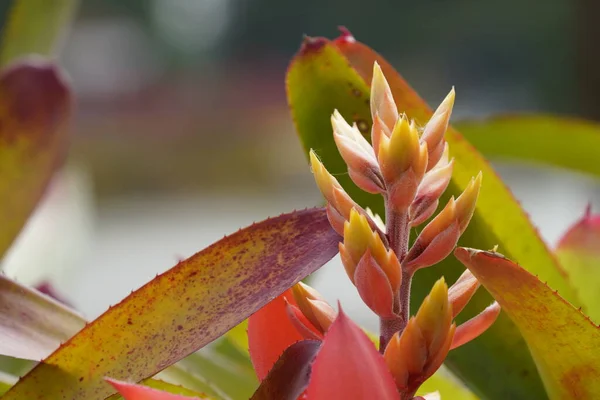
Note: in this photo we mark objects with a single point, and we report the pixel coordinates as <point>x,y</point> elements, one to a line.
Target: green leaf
<point>35,26</point>
<point>33,325</point>
<point>557,141</point>
<point>6,381</point>
<point>235,379</point>
<point>321,78</point>
<point>563,341</point>
<point>579,252</point>
<point>185,308</point>
<point>447,385</point>
<point>35,106</point>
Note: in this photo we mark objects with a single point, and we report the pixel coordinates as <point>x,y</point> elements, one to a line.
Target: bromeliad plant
<point>540,346</point>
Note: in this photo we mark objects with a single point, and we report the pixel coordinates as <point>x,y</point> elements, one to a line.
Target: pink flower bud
<point>382,100</point>
<point>475,326</point>
<point>435,129</point>
<point>462,291</point>
<point>374,287</point>
<point>358,155</point>
<point>431,188</point>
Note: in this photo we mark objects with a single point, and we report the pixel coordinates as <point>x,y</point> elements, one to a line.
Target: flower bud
<point>431,188</point>
<point>358,155</point>
<point>382,100</point>
<point>465,203</point>
<point>415,354</point>
<point>313,306</point>
<point>435,129</point>
<point>374,287</point>
<point>402,159</point>
<point>358,237</point>
<point>462,291</point>
<point>438,238</point>
<point>475,326</point>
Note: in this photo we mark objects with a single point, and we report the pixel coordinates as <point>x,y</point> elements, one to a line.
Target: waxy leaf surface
<point>185,308</point>
<point>34,109</point>
<point>321,79</point>
<point>33,325</point>
<point>579,253</point>
<point>557,141</point>
<point>289,377</point>
<point>563,341</point>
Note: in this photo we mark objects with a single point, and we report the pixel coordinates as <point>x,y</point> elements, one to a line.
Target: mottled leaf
<point>579,253</point>
<point>34,109</point>
<point>564,342</point>
<point>289,377</point>
<point>185,308</point>
<point>33,325</point>
<point>35,26</point>
<point>557,141</point>
<point>320,79</point>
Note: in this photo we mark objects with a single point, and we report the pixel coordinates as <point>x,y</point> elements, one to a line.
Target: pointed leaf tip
<point>132,391</point>
<point>312,44</point>
<point>349,366</point>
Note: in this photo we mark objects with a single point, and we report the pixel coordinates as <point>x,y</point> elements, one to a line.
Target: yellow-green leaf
<point>579,253</point>
<point>35,26</point>
<point>34,110</point>
<point>6,381</point>
<point>185,308</point>
<point>448,387</point>
<point>322,78</point>
<point>563,341</point>
<point>558,141</point>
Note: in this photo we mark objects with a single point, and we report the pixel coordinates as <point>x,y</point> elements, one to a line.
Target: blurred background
<point>182,132</point>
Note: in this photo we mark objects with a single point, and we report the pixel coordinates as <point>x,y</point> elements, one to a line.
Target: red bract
<point>349,367</point>
<point>270,332</point>
<point>131,391</point>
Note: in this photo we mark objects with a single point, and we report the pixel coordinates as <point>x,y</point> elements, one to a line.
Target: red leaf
<point>270,332</point>
<point>349,367</point>
<point>131,391</point>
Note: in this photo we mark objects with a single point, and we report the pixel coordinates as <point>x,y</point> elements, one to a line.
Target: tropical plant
<point>379,150</point>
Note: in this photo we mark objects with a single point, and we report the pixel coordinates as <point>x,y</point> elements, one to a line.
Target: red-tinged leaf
<point>289,377</point>
<point>270,332</point>
<point>185,308</point>
<point>349,367</point>
<point>33,325</point>
<point>35,106</point>
<point>474,327</point>
<point>563,342</point>
<point>579,253</point>
<point>131,391</point>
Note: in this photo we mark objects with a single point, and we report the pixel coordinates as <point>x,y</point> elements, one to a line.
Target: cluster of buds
<point>411,168</point>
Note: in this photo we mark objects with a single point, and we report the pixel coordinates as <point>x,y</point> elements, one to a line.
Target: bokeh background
<point>182,133</point>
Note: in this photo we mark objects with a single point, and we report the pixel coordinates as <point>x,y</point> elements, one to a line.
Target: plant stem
<point>398,232</point>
